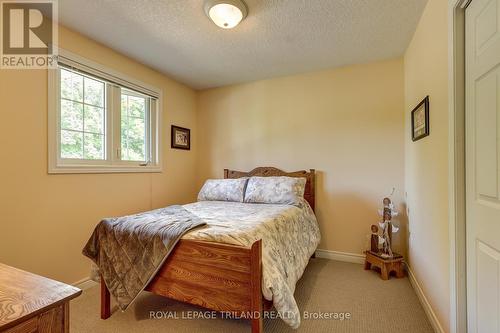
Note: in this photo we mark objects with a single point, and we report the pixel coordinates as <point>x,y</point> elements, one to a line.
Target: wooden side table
<point>386,265</point>
<point>32,303</point>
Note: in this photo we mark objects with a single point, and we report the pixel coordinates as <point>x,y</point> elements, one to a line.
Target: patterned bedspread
<point>289,236</point>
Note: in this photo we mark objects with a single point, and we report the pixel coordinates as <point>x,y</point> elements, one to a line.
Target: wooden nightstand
<point>386,265</point>
<point>31,303</point>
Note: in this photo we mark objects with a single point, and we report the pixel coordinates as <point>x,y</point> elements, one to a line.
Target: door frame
<point>456,164</point>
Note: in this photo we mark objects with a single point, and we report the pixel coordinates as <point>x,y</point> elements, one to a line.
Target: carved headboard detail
<point>270,171</point>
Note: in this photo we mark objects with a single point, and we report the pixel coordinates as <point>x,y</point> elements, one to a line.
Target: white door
<point>482,165</point>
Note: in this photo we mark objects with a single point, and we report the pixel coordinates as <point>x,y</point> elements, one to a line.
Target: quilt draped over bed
<point>290,235</point>
<point>129,250</point>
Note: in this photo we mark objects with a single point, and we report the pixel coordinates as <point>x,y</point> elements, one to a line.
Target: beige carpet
<point>327,286</point>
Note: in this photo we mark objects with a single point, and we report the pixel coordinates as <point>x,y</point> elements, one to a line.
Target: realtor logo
<point>29,33</point>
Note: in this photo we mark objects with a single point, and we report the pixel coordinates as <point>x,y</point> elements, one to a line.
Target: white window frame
<point>113,162</point>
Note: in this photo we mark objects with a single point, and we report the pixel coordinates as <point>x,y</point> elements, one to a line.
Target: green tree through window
<point>82,117</point>
<point>133,127</point>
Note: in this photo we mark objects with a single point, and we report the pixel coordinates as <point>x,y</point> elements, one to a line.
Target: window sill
<point>85,169</point>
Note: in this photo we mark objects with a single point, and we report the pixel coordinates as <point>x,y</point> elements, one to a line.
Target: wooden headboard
<point>270,171</point>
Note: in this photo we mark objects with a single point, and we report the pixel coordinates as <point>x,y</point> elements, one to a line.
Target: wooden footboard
<point>216,276</point>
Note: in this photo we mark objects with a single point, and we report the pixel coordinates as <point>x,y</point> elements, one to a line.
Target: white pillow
<point>275,190</point>
<point>223,190</point>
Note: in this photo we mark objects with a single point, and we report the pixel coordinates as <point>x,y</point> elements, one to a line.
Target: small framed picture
<point>180,138</point>
<point>420,120</point>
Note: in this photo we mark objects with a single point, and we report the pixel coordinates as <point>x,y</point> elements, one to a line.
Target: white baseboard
<point>341,256</point>
<point>425,303</point>
<point>85,284</point>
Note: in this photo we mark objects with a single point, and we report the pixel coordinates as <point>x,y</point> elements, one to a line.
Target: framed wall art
<point>420,120</point>
<point>180,138</point>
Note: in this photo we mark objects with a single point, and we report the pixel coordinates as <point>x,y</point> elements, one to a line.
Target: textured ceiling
<point>279,37</point>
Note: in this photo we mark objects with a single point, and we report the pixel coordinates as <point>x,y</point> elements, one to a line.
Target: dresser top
<point>24,294</point>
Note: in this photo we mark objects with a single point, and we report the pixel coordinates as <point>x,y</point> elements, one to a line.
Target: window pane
<point>94,92</point>
<point>94,119</point>
<point>133,128</point>
<point>71,115</point>
<point>71,144</point>
<point>93,147</point>
<point>71,85</point>
<point>82,118</point>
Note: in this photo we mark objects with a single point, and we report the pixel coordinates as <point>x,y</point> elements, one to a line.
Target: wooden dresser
<point>30,303</point>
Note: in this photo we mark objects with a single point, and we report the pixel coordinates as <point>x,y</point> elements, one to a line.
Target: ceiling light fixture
<point>226,13</point>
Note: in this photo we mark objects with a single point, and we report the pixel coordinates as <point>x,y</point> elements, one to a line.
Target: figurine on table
<point>380,254</point>
<point>387,227</point>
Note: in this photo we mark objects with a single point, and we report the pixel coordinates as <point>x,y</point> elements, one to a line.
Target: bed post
<point>256,287</point>
<point>105,300</point>
<point>312,189</point>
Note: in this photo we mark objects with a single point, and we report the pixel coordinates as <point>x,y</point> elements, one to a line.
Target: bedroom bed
<point>224,272</point>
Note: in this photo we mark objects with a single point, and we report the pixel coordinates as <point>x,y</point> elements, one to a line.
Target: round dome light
<point>226,13</point>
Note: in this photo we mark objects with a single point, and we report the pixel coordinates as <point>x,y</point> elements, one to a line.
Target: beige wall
<point>45,220</point>
<point>426,171</point>
<point>351,124</point>
<point>347,123</point>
